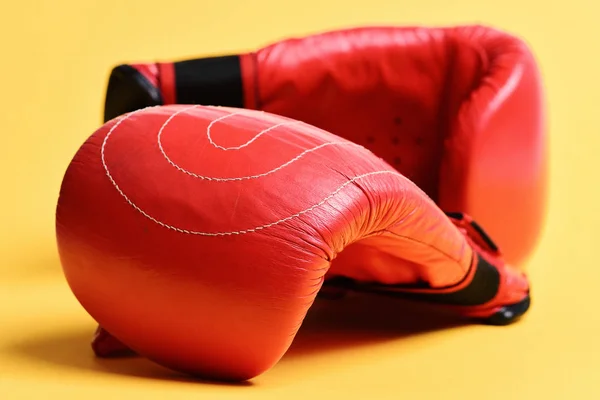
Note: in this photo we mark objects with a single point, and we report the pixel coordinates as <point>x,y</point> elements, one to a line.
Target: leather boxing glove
<point>458,110</point>
<point>200,236</point>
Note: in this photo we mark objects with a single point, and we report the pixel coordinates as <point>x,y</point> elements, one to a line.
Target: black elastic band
<point>212,81</point>
<point>483,288</point>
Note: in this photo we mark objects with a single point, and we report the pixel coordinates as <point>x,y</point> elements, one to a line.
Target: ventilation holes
<point>397,161</point>
<point>370,139</point>
<point>395,140</point>
<point>398,121</point>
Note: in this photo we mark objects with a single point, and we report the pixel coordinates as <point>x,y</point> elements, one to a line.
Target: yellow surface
<point>55,59</point>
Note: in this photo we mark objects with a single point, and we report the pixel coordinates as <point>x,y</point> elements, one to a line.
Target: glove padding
<point>199,237</point>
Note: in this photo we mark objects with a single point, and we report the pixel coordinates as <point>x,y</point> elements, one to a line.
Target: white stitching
<point>249,141</point>
<point>239,232</point>
<point>240,178</point>
<point>219,119</point>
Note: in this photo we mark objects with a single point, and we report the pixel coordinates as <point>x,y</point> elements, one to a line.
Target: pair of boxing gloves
<point>199,223</point>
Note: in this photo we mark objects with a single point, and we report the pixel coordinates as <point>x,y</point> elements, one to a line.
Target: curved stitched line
<point>239,232</point>
<point>240,178</point>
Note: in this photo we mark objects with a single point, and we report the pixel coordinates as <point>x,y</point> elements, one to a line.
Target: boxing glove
<point>200,236</point>
<point>457,110</point>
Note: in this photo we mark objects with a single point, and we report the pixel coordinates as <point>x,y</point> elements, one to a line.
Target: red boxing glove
<point>458,111</point>
<point>200,236</point>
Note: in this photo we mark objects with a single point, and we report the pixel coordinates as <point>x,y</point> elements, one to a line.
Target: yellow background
<point>55,59</point>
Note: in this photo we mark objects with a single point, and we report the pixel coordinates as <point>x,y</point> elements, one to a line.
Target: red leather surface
<point>458,111</point>
<point>199,237</point>
<point>167,82</point>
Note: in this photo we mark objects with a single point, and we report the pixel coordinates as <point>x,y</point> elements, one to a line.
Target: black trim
<point>483,287</point>
<point>484,236</point>
<point>128,90</point>
<point>509,314</point>
<point>455,215</point>
<point>212,81</point>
